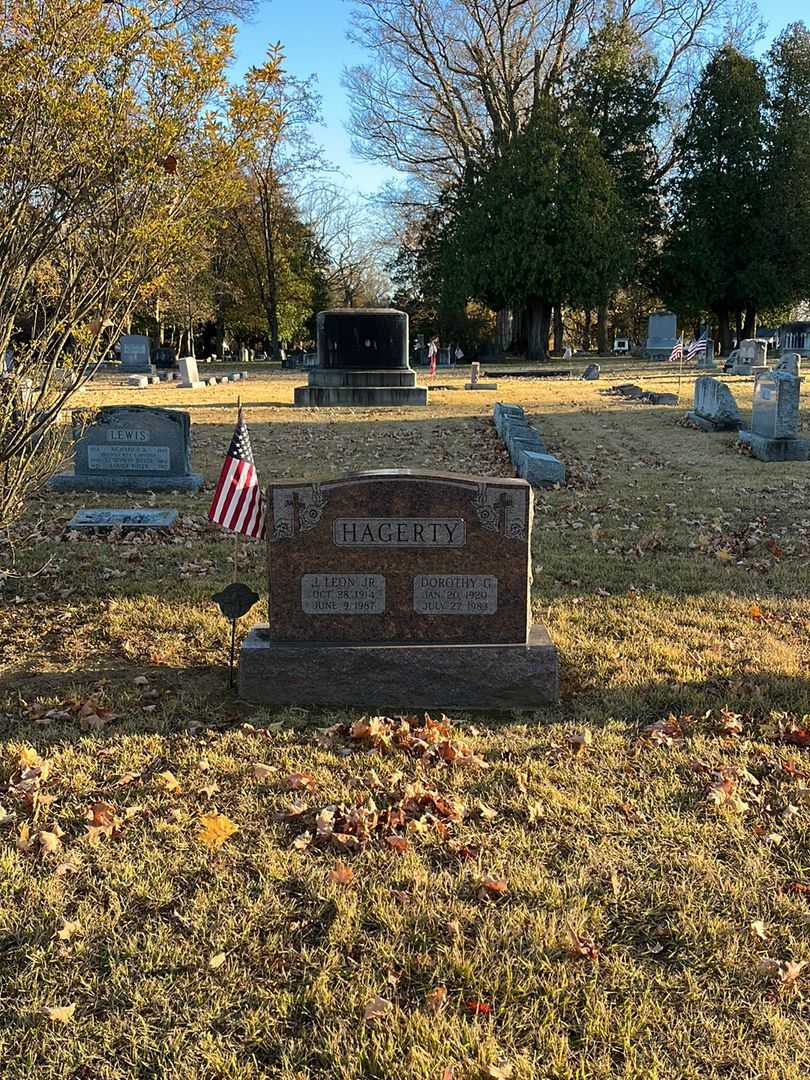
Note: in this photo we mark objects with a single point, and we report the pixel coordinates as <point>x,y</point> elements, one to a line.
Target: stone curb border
<point>526,449</point>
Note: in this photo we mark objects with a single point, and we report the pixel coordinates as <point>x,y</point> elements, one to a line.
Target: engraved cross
<point>297,504</point>
<point>502,504</point>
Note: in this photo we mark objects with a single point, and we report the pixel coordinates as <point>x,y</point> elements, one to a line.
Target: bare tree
<point>448,77</point>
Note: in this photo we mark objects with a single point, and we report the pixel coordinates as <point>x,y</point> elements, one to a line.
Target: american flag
<point>237,504</point>
<point>699,345</point>
<point>677,352</point>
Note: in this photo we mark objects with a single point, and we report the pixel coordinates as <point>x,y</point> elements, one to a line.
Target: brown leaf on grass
<point>729,723</point>
<point>127,778</point>
<point>583,944</point>
<point>722,793</point>
<point>215,830</point>
<point>397,843</point>
<point>169,781</point>
<point>580,740</point>
<point>301,781</point>
<point>377,1008</point>
<point>491,888</point>
<point>263,772</point>
<point>216,961</point>
<point>6,818</point>
<point>755,611</point>
<point>498,1072</point>
<point>436,999</point>
<point>209,791</point>
<point>341,874</point>
<point>61,1014</point>
<point>67,929</point>
<point>49,842</point>
<point>798,737</point>
<point>785,971</point>
<point>757,928</point>
<point>480,1008</point>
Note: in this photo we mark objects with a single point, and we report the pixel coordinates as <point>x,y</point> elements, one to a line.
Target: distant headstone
<point>138,380</point>
<point>189,376</point>
<point>475,379</point>
<point>591,372</point>
<point>714,407</point>
<point>135,354</point>
<point>705,359</point>
<point>790,362</point>
<point>130,448</point>
<point>400,589</point>
<point>750,354</point>
<point>8,361</point>
<point>775,420</point>
<point>127,520</point>
<point>662,335</point>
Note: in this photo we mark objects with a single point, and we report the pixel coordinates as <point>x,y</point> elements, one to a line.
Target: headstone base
<point>71,482</point>
<point>191,385</point>
<point>346,388</point>
<point>766,449</point>
<point>481,386</point>
<point>707,424</point>
<point>400,676</point>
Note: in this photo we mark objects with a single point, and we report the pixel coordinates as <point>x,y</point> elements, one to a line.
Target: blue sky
<point>313,33</point>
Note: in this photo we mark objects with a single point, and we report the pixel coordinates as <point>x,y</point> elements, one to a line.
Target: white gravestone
<point>775,420</point>
<point>189,376</point>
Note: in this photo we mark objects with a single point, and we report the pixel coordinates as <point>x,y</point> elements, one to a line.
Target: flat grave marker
<point>127,520</point>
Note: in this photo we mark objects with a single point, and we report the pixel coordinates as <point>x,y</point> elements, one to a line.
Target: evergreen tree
<point>713,260</point>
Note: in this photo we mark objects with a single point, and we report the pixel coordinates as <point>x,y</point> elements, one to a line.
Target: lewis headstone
<point>398,589</point>
<point>130,448</point>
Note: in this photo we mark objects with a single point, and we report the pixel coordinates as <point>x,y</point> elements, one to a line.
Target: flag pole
<point>680,370</point>
<point>236,534</point>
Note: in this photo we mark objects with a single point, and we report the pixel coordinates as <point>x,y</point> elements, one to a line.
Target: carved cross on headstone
<point>297,504</point>
<point>502,504</point>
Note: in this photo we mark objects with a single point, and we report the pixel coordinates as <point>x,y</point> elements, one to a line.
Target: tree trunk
<point>270,267</point>
<point>538,314</point>
<point>738,326</point>
<point>586,332</point>
<point>520,324</point>
<point>602,345</point>
<point>503,329</point>
<point>750,327</point>
<point>558,329</point>
<point>723,330</point>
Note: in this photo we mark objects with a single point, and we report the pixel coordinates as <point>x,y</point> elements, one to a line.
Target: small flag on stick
<point>699,345</point>
<point>677,352</point>
<point>238,504</point>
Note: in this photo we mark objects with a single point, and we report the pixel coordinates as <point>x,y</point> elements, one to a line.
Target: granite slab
<point>412,676</point>
<point>400,557</point>
<point>128,520</point>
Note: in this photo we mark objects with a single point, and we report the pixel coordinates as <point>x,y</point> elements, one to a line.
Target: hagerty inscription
<point>455,594</point>
<point>399,532</point>
<point>343,594</point>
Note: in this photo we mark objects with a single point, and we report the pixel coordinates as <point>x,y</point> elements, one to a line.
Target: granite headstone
<point>400,589</point>
<point>662,335</point>
<point>714,407</point>
<point>135,354</point>
<point>130,448</point>
<point>775,420</point>
<point>126,520</point>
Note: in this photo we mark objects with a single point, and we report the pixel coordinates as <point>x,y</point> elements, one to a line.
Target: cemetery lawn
<point>617,887</point>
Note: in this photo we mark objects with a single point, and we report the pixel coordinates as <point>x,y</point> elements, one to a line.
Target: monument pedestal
<point>335,386</point>
<point>72,482</point>
<point>768,449</point>
<point>389,676</point>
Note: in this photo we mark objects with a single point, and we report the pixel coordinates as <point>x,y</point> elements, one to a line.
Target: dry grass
<point>673,574</point>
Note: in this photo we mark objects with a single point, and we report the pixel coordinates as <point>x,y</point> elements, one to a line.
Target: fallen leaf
<point>397,843</point>
<point>49,843</point>
<point>377,1008</point>
<point>169,781</point>
<point>758,929</point>
<point>755,611</point>
<point>583,944</point>
<point>480,1008</point>
<point>62,1014</point>
<point>301,780</point>
<point>341,874</point>
<point>436,999</point>
<point>580,740</point>
<point>67,929</point>
<point>492,887</point>
<point>216,828</point>
<point>262,772</point>
<point>498,1072</point>
<point>217,961</point>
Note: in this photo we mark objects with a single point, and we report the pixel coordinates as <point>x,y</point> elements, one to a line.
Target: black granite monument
<point>362,361</point>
